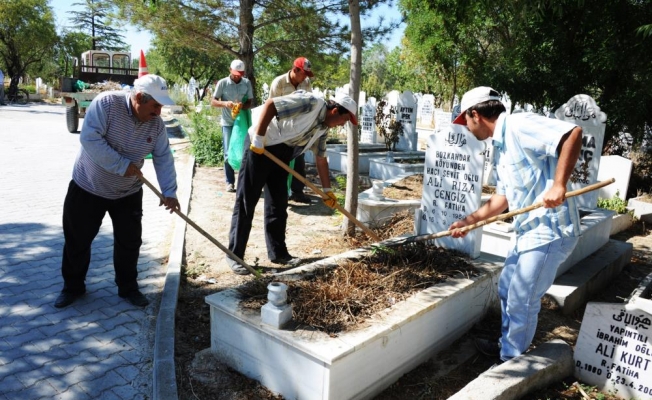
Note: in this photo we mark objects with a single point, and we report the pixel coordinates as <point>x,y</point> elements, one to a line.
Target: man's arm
<point>266,115</point>
<point>569,151</point>
<point>494,206</point>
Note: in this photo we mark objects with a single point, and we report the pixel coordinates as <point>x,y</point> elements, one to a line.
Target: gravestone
<point>452,186</point>
<point>614,349</point>
<point>609,165</point>
<point>368,125</point>
<point>581,110</point>
<point>442,120</point>
<point>426,112</point>
<point>406,112</point>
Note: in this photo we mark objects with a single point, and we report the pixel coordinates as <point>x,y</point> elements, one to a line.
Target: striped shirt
<point>112,138</point>
<point>227,90</point>
<point>282,86</point>
<point>525,156</point>
<point>299,122</point>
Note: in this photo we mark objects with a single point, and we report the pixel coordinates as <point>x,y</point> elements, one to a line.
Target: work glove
<point>258,144</point>
<point>236,110</point>
<point>331,200</point>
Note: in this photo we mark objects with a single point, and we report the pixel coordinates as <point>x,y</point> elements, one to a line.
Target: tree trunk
<point>246,37</point>
<point>353,175</point>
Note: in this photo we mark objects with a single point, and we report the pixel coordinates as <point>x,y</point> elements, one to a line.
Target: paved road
<point>100,347</point>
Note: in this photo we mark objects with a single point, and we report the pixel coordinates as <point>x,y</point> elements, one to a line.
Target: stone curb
<point>548,363</point>
<point>164,379</point>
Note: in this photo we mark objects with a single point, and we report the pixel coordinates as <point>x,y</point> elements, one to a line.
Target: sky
<point>140,40</point>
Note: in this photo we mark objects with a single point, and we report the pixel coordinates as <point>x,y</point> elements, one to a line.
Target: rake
<point>431,236</point>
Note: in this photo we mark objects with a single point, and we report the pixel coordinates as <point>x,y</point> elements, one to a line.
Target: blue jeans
<point>228,169</point>
<point>525,279</point>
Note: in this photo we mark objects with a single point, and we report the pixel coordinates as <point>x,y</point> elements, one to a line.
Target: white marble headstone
<point>614,349</point>
<point>442,120</point>
<point>367,123</point>
<point>584,112</point>
<point>426,112</point>
<point>406,112</point>
<point>452,186</point>
<point>614,167</point>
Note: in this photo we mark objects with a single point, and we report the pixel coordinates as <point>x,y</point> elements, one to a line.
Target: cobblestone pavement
<point>101,346</point>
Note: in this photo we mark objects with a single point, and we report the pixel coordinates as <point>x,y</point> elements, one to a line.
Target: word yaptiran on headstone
<point>452,186</point>
<point>614,350</point>
<point>582,110</point>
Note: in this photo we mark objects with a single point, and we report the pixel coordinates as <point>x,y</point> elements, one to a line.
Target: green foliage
<point>206,138</point>
<point>388,125</point>
<point>615,203</point>
<point>95,19</point>
<point>27,35</point>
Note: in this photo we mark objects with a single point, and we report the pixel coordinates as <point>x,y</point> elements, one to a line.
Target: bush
<point>616,204</point>
<point>206,138</point>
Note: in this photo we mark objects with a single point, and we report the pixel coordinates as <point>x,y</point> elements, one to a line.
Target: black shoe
<point>487,347</point>
<point>300,198</point>
<point>136,298</point>
<point>287,260</point>
<point>66,299</point>
<point>237,267</point>
<point>230,188</point>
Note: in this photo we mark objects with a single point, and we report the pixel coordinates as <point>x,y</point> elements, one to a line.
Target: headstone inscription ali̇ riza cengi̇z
<point>452,186</point>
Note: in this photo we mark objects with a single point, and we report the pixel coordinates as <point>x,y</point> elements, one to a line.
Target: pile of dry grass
<point>340,299</point>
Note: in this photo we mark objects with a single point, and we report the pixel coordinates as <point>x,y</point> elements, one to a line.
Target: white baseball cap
<point>472,97</point>
<point>237,67</point>
<point>348,103</point>
<point>154,86</point>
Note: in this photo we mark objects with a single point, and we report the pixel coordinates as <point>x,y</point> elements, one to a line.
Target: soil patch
<point>314,233</point>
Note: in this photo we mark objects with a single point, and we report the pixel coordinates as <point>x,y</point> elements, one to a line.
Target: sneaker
<point>237,267</point>
<point>230,188</point>
<point>287,260</point>
<point>487,347</point>
<point>300,198</point>
<point>136,298</point>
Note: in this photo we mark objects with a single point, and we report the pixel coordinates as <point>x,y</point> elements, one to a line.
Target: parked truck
<point>94,67</point>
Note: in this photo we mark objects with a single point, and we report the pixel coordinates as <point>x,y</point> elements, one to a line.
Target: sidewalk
<point>101,347</point>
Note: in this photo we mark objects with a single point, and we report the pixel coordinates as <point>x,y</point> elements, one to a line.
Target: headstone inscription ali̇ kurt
<point>614,350</point>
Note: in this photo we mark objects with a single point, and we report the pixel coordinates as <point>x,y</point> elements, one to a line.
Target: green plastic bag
<point>238,135</point>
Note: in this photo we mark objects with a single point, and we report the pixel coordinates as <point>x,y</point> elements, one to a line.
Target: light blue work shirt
<point>525,156</point>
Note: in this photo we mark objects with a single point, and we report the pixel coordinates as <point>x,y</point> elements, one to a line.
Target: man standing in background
<point>295,79</point>
<point>230,91</point>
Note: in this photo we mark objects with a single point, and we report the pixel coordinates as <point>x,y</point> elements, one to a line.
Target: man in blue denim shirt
<point>534,158</point>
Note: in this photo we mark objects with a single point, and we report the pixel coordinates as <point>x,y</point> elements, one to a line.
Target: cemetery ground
<point>314,233</point>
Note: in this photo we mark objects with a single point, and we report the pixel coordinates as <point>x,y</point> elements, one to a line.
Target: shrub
<point>206,138</point>
<point>615,203</point>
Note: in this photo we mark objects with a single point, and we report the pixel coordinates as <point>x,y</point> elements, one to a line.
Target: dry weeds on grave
<point>340,299</point>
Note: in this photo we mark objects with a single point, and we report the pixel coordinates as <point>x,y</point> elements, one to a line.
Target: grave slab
<point>306,364</point>
<point>589,276</point>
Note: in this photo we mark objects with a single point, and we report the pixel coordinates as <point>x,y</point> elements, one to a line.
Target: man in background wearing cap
<point>230,91</point>
<point>120,129</point>
<point>285,126</point>
<point>534,158</point>
<point>296,79</point>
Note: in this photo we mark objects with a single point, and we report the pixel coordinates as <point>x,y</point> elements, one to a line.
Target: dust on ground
<point>314,233</point>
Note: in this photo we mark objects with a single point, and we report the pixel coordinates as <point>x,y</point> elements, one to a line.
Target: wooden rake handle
<point>431,236</point>
<point>315,189</point>
<point>200,230</point>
